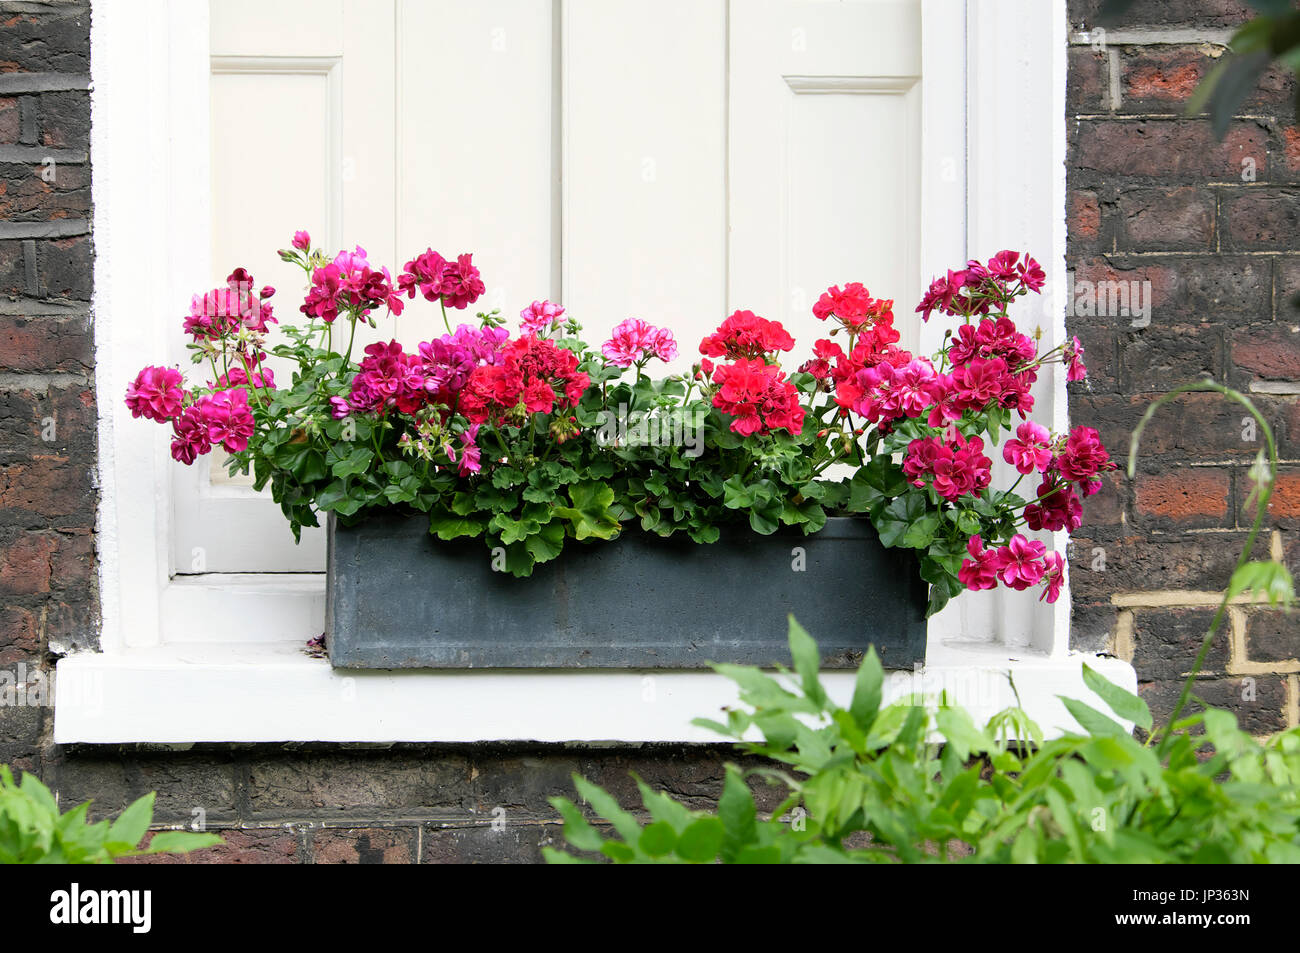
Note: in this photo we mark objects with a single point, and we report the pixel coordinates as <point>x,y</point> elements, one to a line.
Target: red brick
<point>1179,219</point>
<point>1170,149</point>
<point>1085,216</point>
<point>368,845</point>
<point>11,122</point>
<point>48,486</point>
<point>1283,502</point>
<point>1161,74</point>
<point>1270,351</point>
<point>25,564</point>
<point>20,634</point>
<point>1187,497</point>
<point>45,344</point>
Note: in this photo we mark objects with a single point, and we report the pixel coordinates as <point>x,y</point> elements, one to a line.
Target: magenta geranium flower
<point>457,284</point>
<point>1031,451</point>
<point>156,394</point>
<point>228,418</point>
<point>1020,562</point>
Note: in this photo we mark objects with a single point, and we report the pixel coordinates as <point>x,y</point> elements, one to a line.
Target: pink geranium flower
<point>540,317</point>
<point>635,342</point>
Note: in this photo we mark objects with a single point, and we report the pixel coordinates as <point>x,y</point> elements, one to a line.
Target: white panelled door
<point>671,160</point>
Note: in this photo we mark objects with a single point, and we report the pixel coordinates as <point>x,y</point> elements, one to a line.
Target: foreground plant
<point>32,831</point>
<point>911,783</point>
<point>908,783</point>
<point>530,440</point>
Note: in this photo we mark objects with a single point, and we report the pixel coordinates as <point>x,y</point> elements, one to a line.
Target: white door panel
<point>824,154</point>
<point>701,156</point>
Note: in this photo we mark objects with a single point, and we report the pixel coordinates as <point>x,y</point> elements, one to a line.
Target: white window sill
<point>275,692</point>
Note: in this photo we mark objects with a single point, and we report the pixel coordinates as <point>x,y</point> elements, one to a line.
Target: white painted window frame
<point>209,658</point>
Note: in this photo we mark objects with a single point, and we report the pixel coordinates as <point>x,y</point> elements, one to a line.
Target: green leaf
<point>577,831</point>
<point>1123,703</point>
<point>605,805</point>
<point>181,842</point>
<point>701,841</point>
<point>868,690</point>
<point>547,542</point>
<point>738,814</point>
<point>807,662</point>
<point>358,461</point>
<point>590,513</point>
<point>1093,721</point>
<point>658,839</point>
<point>133,823</point>
<point>446,526</point>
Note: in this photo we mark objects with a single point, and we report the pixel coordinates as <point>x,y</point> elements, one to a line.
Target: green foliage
<point>32,831</point>
<point>913,783</point>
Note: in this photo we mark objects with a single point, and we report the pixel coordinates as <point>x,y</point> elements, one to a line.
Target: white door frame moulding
<point>169,669</point>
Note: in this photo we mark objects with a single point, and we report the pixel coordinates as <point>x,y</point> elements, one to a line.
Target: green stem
<point>1261,508</point>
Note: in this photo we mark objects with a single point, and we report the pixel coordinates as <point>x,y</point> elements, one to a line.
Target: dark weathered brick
<point>1173,150</point>
<point>1258,701</point>
<point>64,268</point>
<point>1156,358</point>
<point>1180,219</point>
<point>1165,642</point>
<point>1092,626</point>
<point>57,41</point>
<point>1087,86</point>
<point>1272,635</point>
<point>65,120</point>
<point>1186,289</point>
<point>1260,218</point>
<point>378,783</point>
<point>1207,14</point>
<point>481,844</point>
<point>1203,562</point>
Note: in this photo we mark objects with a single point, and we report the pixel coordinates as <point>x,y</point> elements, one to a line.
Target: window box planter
<point>399,598</point>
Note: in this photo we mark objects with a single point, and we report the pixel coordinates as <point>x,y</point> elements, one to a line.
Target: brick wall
<point>47,403</point>
<point>1153,197</point>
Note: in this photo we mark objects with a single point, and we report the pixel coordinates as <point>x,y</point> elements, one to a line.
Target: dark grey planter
<point>400,598</point>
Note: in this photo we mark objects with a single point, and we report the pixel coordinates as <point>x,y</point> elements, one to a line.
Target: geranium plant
<point>532,437</point>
